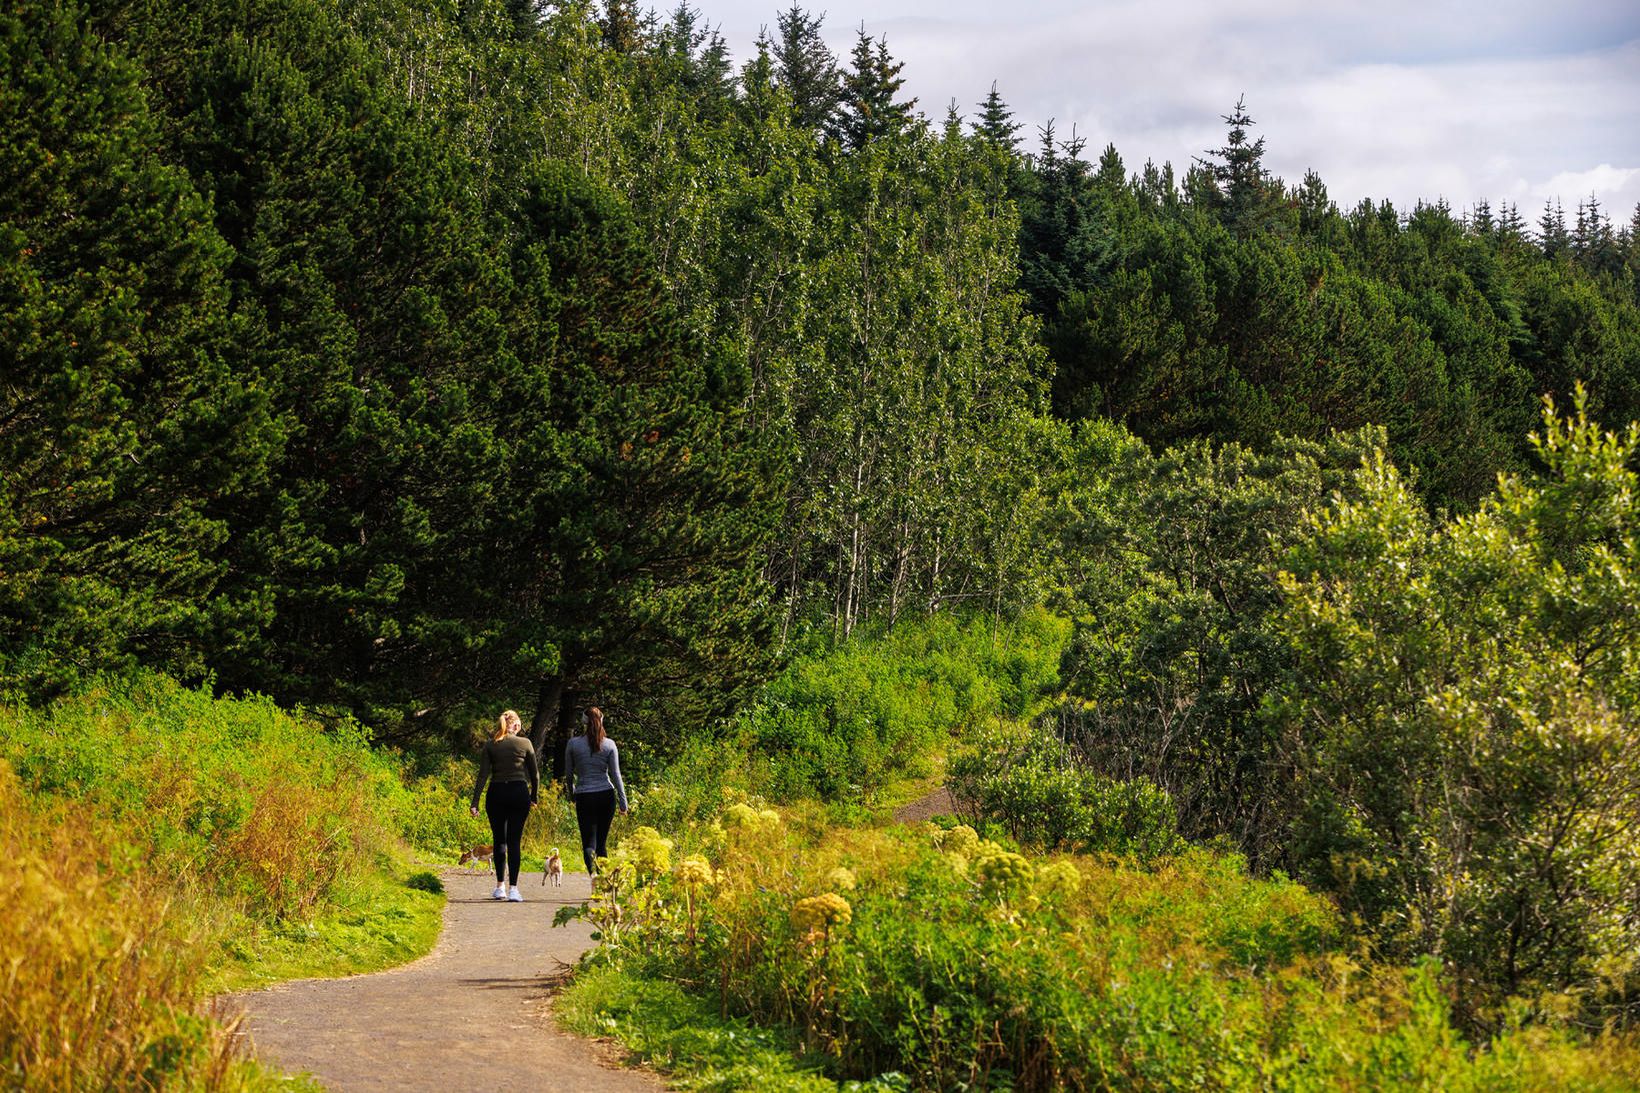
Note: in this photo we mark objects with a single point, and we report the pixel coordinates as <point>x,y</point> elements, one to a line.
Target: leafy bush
<point>1043,793</point>
<point>958,963</point>
<point>1173,587</point>
<point>841,722</point>
<point>1465,722</point>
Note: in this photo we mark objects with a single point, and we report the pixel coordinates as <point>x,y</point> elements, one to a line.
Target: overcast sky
<point>1505,100</point>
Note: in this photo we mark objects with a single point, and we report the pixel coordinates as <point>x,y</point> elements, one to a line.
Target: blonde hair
<point>508,717</point>
<point>595,729</point>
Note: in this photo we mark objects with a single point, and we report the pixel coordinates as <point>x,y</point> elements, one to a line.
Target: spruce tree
<point>622,26</point>
<point>1553,239</point>
<point>1511,225</point>
<point>867,110</point>
<point>1480,220</point>
<point>1243,190</point>
<point>996,126</point>
<point>806,68</point>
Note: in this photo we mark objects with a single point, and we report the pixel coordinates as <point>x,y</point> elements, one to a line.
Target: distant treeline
<point>391,358</point>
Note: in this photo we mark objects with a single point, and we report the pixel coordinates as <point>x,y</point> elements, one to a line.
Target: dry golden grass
<point>98,988</point>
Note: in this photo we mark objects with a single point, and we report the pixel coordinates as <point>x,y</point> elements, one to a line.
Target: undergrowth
<point>163,845</point>
<point>857,723</point>
<point>961,962</point>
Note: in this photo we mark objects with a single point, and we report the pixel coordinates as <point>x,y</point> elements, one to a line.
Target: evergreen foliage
<point>125,419</point>
<point>401,361</point>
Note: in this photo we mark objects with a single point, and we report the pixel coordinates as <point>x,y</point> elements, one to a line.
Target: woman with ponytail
<point>508,765</point>
<point>593,765</point>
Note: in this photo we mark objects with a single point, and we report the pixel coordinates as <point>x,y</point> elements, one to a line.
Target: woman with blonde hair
<point>592,764</point>
<point>508,764</point>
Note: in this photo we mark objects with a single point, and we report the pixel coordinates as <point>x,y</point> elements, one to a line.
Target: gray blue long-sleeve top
<point>591,772</point>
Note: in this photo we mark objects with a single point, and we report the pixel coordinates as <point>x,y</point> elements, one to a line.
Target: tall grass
<point>961,963</point>
<point>853,721</point>
<point>99,982</point>
<point>157,842</point>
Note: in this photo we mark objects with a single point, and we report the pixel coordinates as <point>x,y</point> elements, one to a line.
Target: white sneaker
<point>514,895</point>
<point>500,892</point>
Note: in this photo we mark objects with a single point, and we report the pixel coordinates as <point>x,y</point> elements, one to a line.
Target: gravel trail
<point>471,1015</point>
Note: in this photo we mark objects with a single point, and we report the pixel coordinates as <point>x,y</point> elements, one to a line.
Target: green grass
<point>231,845</point>
<point>375,923</point>
<point>685,1038</point>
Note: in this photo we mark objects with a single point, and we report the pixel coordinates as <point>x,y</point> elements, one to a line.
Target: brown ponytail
<point>595,729</point>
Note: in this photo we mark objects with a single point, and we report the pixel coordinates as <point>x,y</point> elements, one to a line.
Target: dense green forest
<point>402,361</point>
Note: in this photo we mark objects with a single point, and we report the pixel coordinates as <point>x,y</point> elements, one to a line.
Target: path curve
<point>936,802</point>
<point>471,1015</point>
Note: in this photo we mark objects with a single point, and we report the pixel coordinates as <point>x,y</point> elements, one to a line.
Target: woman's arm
<point>533,770</point>
<point>615,774</point>
<point>483,775</point>
<point>569,767</point>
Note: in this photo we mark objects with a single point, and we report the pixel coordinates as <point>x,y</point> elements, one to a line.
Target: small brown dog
<point>554,869</point>
<point>483,853</point>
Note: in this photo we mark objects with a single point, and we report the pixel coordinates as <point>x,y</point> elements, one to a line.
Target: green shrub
<point>1043,794</point>
<point>1463,723</point>
<point>960,964</point>
<point>423,881</point>
<point>846,720</point>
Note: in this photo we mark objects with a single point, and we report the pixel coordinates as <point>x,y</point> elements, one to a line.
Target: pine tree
<point>1553,239</point>
<point>1315,209</point>
<point>1111,174</point>
<point>635,580</point>
<point>805,67</point>
<point>867,110</point>
<point>621,26</point>
<point>1632,249</point>
<point>126,420</point>
<point>524,16</point>
<point>996,125</point>
<point>1237,171</point>
<point>1157,187</point>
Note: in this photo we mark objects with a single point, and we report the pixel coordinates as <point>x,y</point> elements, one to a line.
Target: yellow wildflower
<point>693,872</point>
<point>1060,879</point>
<point>819,914</point>
<point>1000,871</point>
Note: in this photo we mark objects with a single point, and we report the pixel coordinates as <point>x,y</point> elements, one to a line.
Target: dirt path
<point>471,1015</point>
<point>935,803</point>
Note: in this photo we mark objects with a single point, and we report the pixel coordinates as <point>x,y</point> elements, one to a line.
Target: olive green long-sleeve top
<point>510,759</point>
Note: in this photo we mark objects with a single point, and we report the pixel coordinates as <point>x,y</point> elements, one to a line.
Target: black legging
<point>508,806</point>
<point>594,812</point>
